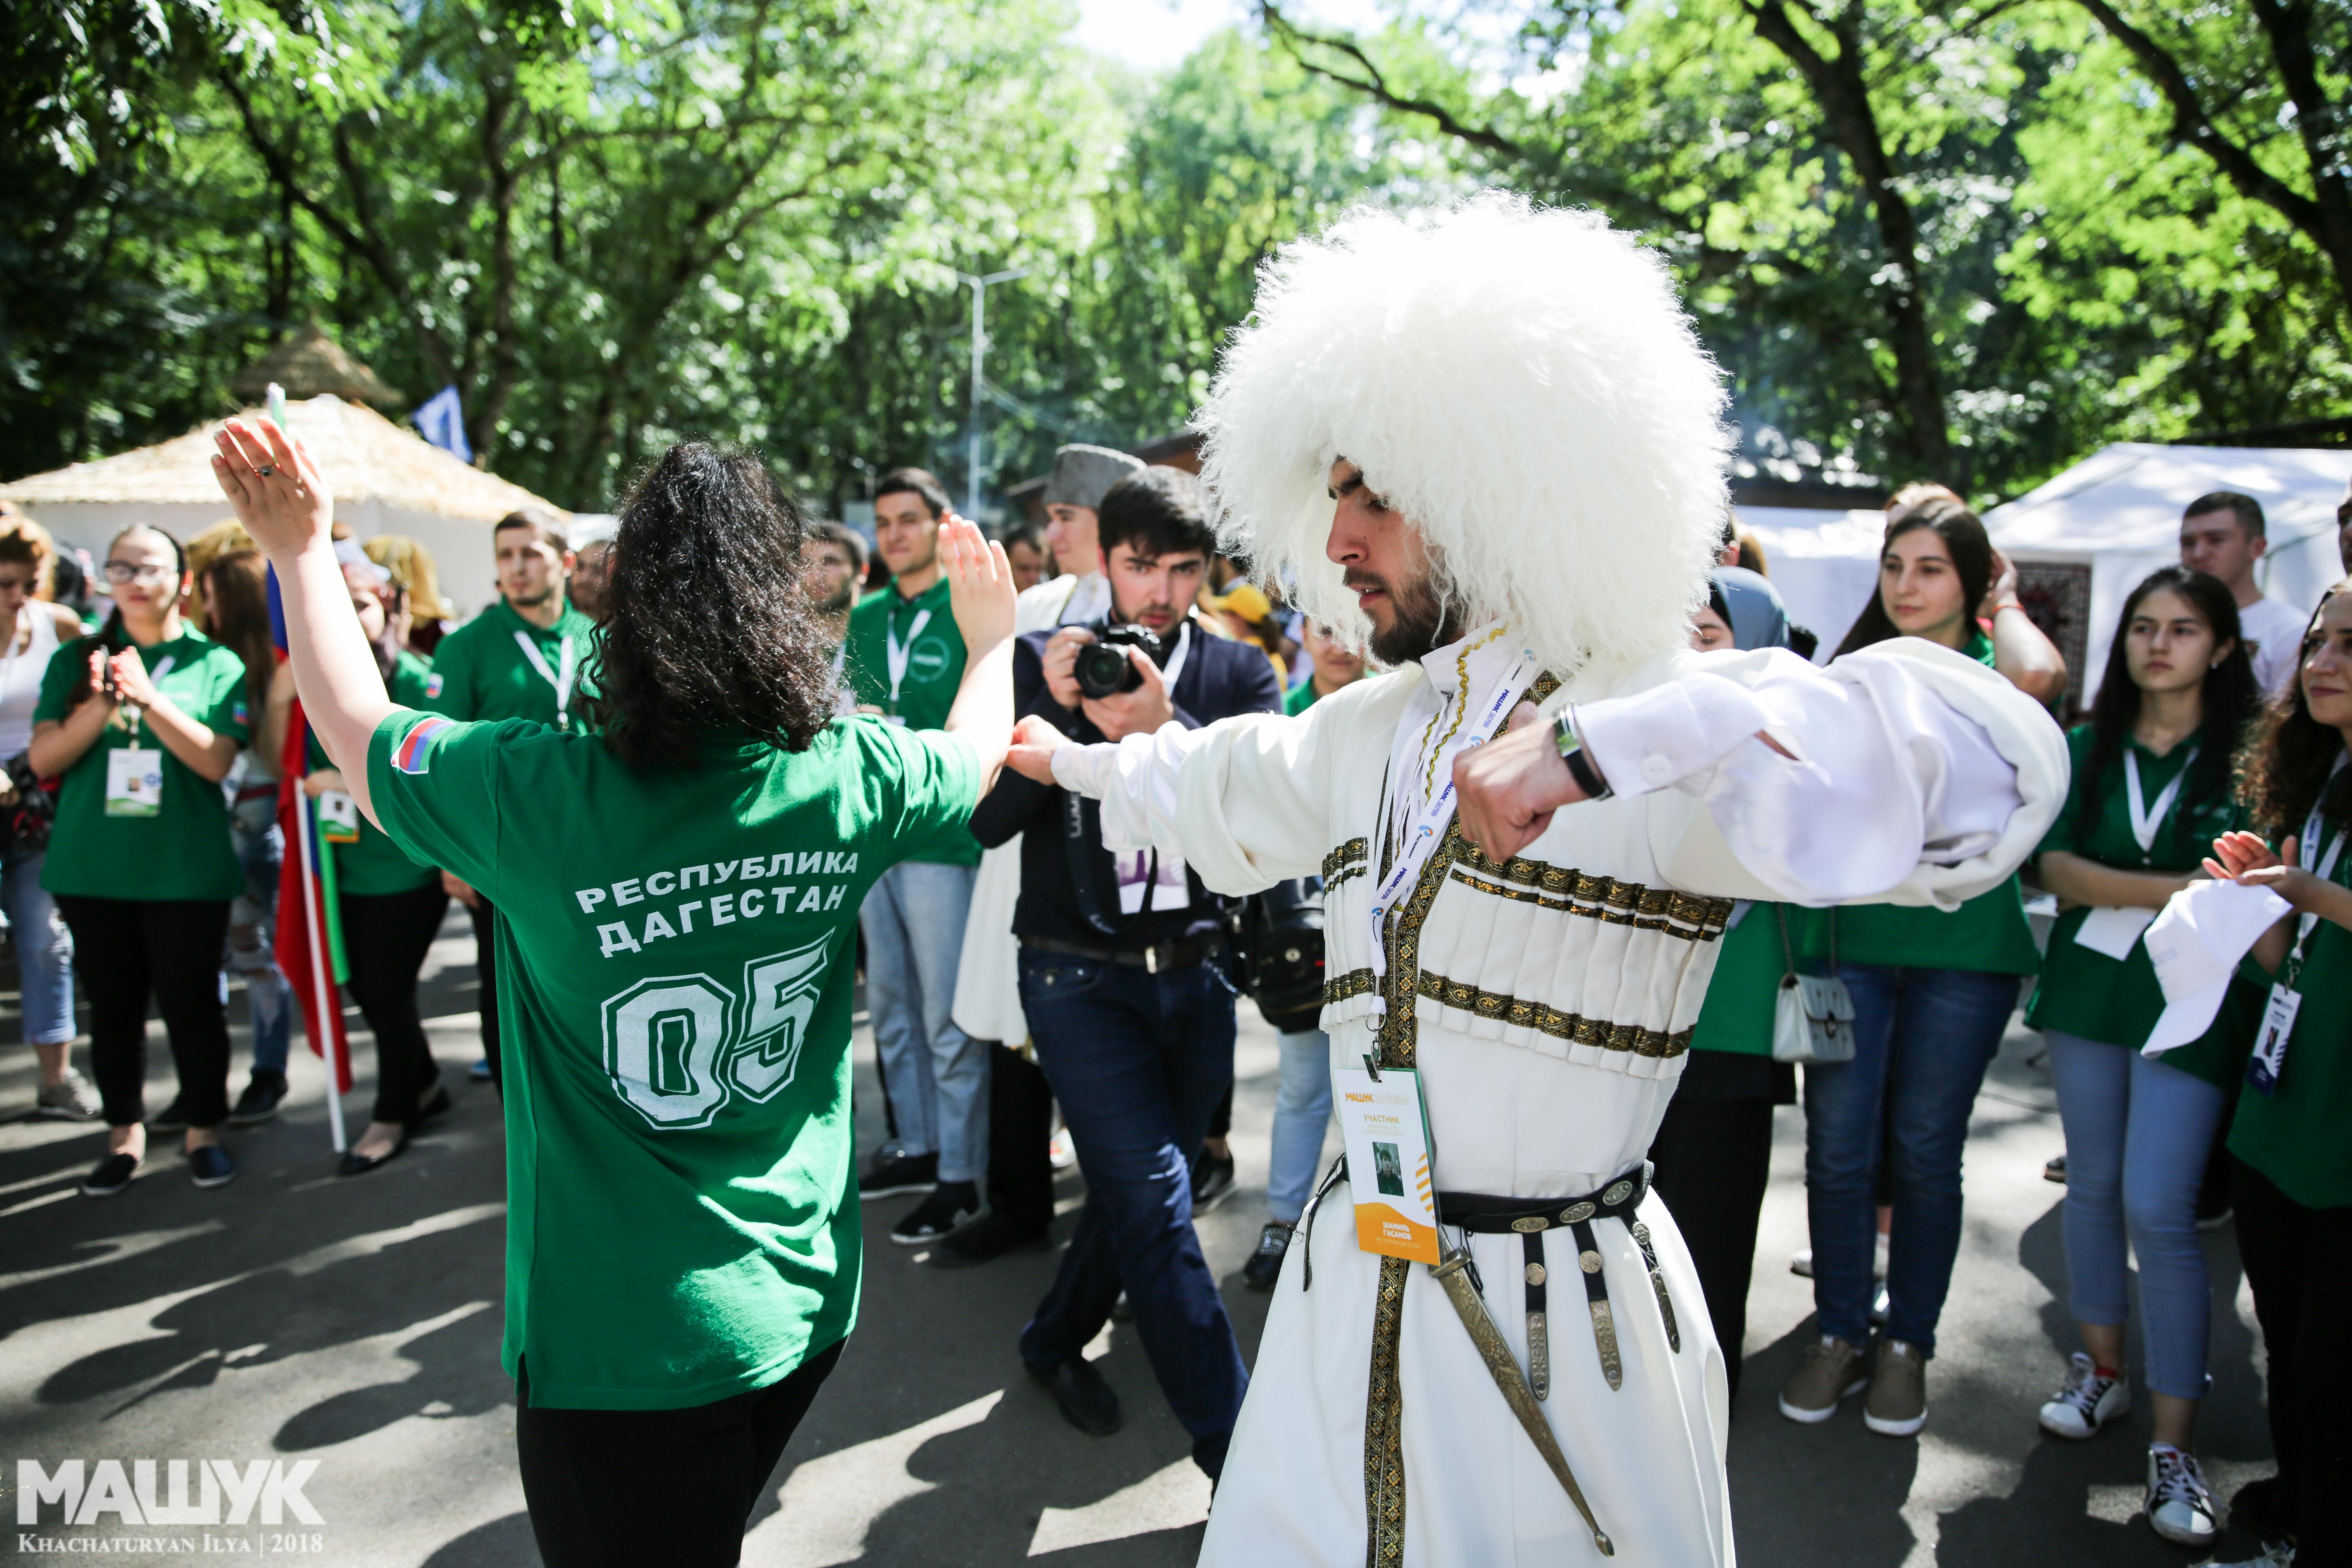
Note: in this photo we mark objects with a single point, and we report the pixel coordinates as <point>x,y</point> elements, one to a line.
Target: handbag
<point>1812,1020</point>
<point>25,822</point>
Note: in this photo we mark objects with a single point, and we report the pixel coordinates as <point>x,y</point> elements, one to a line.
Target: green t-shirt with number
<point>2300,1135</point>
<point>2084,992</point>
<point>924,628</point>
<point>374,865</point>
<point>1987,933</point>
<point>675,952</point>
<point>481,671</point>
<point>178,848</point>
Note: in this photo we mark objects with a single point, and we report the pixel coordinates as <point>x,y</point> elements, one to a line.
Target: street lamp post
<point>979,284</point>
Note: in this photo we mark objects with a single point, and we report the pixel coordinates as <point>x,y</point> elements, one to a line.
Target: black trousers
<point>127,951</point>
<point>1713,1157</point>
<point>386,937</point>
<point>484,916</point>
<point>2299,1262</point>
<point>1020,1135</point>
<point>620,1488</point>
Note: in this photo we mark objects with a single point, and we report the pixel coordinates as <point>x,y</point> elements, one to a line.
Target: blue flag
<point>442,421</point>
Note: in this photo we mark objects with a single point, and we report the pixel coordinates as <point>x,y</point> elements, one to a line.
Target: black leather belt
<point>1180,953</point>
<point>1529,1219</point>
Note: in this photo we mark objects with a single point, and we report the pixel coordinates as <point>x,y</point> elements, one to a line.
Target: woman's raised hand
<point>980,584</point>
<point>278,492</point>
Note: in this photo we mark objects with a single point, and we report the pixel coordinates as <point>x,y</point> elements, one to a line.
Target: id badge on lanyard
<point>134,781</point>
<point>1384,1130</point>
<point>2116,930</point>
<point>2278,1016</point>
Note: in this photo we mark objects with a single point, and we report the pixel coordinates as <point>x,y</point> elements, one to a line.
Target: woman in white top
<point>33,627</point>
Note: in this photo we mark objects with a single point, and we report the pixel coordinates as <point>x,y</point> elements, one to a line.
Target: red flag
<point>306,913</point>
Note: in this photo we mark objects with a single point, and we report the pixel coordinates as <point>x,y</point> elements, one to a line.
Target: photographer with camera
<point>1121,977</point>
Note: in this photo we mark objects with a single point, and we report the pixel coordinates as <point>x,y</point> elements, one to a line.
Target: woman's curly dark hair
<point>2287,765</point>
<point>708,629</point>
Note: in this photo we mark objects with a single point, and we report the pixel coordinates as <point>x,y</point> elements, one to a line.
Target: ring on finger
<point>265,470</point>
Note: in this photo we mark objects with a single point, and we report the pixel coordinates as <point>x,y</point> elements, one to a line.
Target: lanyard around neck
<point>2145,819</point>
<point>2318,865</point>
<point>901,653</point>
<point>562,680</point>
<point>1428,824</point>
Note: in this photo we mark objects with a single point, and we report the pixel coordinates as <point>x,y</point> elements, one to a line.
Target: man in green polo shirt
<point>523,657</point>
<point>905,662</point>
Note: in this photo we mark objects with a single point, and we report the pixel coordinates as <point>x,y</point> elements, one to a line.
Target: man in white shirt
<point>2222,534</point>
<point>1493,1349</point>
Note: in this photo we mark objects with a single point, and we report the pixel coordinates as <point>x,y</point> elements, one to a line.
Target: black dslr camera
<point>1103,668</point>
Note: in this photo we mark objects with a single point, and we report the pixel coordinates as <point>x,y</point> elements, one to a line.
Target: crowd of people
<point>974,772</point>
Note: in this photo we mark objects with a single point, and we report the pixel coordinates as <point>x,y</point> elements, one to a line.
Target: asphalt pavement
<point>354,1325</point>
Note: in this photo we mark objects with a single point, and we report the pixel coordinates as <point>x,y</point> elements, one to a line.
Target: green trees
<point>1972,238</point>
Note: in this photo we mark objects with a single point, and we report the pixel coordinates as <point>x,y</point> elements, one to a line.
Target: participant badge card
<point>1386,1133</point>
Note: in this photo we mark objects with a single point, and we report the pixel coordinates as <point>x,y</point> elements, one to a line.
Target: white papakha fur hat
<point>1521,384</point>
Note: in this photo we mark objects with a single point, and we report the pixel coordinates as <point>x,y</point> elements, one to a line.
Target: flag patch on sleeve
<point>414,754</point>
<point>433,685</point>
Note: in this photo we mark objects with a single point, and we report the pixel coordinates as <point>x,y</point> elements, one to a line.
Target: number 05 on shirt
<point>681,1225</point>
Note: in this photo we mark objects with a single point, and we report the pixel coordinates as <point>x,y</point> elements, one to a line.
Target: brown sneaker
<point>1832,1370</point>
<point>1896,1405</point>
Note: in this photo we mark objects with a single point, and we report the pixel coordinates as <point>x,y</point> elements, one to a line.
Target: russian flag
<point>414,754</point>
<point>310,927</point>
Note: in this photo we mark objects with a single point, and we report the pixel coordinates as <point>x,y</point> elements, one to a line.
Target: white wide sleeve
<point>1915,775</point>
<point>1244,800</point>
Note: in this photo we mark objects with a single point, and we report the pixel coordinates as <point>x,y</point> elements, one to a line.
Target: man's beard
<point>1423,623</point>
<point>533,601</point>
<point>840,601</point>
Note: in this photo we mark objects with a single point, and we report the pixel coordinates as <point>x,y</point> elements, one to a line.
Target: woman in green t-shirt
<point>2150,792</point>
<point>677,893</point>
<point>2291,1133</point>
<point>389,907</point>
<point>143,722</point>
<point>1932,993</point>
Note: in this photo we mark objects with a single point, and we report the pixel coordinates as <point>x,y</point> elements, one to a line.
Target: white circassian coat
<point>1553,1011</point>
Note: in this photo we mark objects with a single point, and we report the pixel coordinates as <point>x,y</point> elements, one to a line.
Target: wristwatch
<point>1571,752</point>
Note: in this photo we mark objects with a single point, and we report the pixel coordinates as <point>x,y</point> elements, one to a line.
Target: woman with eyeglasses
<point>142,722</point>
<point>34,627</point>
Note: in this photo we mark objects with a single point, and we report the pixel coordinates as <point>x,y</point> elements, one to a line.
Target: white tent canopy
<point>2118,511</point>
<point>385,479</point>
<point>1825,564</point>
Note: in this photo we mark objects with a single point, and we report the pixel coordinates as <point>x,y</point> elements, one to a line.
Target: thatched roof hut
<point>385,479</point>
<point>309,363</point>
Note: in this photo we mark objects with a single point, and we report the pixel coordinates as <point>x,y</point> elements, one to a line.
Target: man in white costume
<point>1487,439</point>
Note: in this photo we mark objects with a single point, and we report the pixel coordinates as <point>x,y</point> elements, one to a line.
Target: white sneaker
<point>1800,1262</point>
<point>2179,1506</point>
<point>2089,1402</point>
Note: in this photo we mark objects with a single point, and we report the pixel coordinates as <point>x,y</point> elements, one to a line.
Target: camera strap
<point>1079,845</point>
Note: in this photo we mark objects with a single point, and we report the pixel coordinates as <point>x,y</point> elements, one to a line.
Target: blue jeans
<point>1923,1038</point>
<point>2137,1132</point>
<point>43,951</point>
<point>1139,1062</point>
<point>936,1075</point>
<point>1302,1107</point>
<point>260,847</point>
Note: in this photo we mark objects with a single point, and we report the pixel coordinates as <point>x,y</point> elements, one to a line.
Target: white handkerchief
<point>2112,930</point>
<point>2196,944</point>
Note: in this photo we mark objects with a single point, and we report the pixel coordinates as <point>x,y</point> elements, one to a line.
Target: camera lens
<point>1103,670</point>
